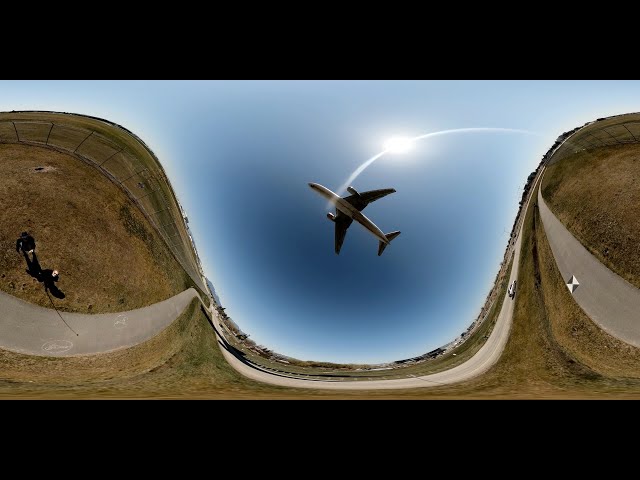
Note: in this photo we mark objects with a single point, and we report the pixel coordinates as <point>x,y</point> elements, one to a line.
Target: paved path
<point>34,330</point>
<point>484,359</point>
<point>31,329</point>
<point>610,301</point>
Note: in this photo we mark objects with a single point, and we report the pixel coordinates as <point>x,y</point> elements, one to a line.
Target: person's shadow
<point>43,276</point>
<point>33,266</point>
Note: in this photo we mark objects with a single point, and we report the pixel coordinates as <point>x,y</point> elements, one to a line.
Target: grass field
<point>596,195</point>
<point>544,356</point>
<point>118,153</point>
<point>109,257</point>
<point>553,352</point>
<point>183,361</point>
<point>616,130</point>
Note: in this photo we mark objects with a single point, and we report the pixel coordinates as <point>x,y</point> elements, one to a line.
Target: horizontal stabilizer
<point>382,245</point>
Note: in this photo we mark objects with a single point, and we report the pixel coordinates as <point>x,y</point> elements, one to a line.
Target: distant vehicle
<point>512,289</point>
<point>349,209</point>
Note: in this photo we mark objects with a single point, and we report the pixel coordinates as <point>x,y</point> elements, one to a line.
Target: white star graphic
<point>573,284</point>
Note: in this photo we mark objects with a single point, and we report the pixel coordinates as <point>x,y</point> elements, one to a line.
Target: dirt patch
<point>43,169</point>
<point>109,257</point>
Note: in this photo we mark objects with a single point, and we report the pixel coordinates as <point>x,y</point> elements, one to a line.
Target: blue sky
<point>240,154</point>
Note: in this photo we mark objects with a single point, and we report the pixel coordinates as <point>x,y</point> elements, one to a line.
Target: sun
<point>398,144</point>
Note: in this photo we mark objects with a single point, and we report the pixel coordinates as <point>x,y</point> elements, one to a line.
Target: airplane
<point>349,209</point>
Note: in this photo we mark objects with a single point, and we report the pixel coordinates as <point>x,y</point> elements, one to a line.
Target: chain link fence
<point>122,157</point>
<point>603,132</point>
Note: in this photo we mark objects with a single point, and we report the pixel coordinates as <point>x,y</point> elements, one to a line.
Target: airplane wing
<point>342,223</point>
<point>363,199</point>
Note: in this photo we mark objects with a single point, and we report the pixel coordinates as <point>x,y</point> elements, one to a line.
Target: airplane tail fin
<point>382,245</point>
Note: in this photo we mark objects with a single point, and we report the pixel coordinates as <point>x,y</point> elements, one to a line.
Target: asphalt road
<point>484,359</point>
<point>608,299</point>
<point>30,329</point>
<point>34,330</point>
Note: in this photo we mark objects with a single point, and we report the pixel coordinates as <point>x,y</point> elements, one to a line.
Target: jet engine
<point>331,217</point>
<point>353,191</point>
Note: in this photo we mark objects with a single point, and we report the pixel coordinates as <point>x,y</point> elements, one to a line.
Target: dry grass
<point>542,359</point>
<point>33,131</point>
<point>74,371</point>
<point>554,350</point>
<point>109,257</point>
<point>596,195</point>
<point>71,132</point>
<point>614,130</point>
<point>451,359</point>
<point>184,360</point>
<point>576,332</point>
<point>8,132</point>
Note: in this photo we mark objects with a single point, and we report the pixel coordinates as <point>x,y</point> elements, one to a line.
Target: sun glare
<point>398,144</point>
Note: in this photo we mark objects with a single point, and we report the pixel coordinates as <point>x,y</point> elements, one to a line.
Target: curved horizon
<point>263,243</point>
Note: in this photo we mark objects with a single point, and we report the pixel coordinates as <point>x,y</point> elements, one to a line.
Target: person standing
<point>49,277</point>
<point>26,243</point>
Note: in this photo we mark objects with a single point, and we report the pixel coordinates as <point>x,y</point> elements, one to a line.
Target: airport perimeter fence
<point>606,132</point>
<point>618,130</point>
<point>143,179</point>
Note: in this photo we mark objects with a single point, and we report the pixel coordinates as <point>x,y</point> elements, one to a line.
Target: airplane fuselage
<point>350,211</point>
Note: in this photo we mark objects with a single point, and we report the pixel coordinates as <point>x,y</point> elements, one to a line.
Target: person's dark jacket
<point>48,278</point>
<point>25,244</point>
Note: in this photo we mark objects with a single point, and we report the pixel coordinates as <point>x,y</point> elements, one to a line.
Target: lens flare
<point>410,141</point>
<point>398,144</point>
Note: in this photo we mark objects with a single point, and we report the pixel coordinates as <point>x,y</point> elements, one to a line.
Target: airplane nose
<point>313,185</point>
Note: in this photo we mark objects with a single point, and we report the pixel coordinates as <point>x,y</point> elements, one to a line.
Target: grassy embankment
<point>110,259</point>
<point>596,195</point>
<point>452,358</point>
<point>120,155</point>
<point>554,351</point>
